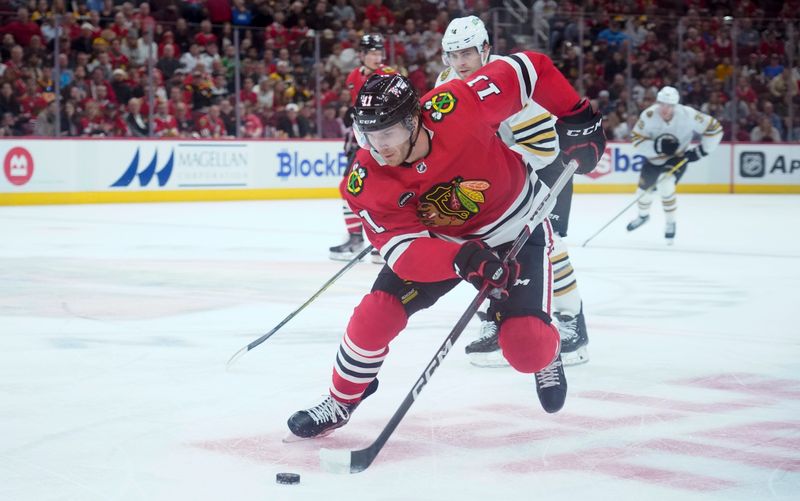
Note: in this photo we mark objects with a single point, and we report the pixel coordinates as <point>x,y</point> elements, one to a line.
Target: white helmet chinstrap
<point>463,33</point>
<point>668,95</point>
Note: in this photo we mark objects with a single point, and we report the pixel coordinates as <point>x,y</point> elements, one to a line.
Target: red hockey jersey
<point>470,185</point>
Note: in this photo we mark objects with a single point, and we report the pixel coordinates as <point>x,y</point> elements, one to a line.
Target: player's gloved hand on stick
<point>477,264</point>
<point>581,137</point>
<point>695,154</point>
<point>667,145</point>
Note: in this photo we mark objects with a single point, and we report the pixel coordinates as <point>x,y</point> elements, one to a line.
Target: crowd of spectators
<point>124,68</point>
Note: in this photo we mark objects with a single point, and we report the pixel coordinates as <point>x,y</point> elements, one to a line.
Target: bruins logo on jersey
<point>453,203</point>
<point>356,178</point>
<point>441,104</point>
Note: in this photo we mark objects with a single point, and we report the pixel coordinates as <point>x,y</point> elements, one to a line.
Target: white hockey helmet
<point>463,33</point>
<point>668,95</point>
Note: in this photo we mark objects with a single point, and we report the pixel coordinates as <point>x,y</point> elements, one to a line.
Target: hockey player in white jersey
<point>663,135</point>
<point>531,133</point>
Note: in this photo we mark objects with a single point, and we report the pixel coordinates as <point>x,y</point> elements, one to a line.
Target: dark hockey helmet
<point>371,42</point>
<point>385,100</point>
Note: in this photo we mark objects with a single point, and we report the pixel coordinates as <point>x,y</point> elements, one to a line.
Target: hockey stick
<point>236,356</point>
<point>649,188</point>
<point>343,461</point>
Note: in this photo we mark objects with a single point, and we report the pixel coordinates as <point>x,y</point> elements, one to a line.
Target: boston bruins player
<point>663,136</point>
<point>531,133</point>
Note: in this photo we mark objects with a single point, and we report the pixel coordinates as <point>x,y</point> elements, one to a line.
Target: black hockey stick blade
<point>343,461</point>
<point>236,356</point>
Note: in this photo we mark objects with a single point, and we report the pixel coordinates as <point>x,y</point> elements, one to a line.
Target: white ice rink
<point>116,322</point>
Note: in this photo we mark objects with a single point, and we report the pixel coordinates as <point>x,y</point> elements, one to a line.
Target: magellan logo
<point>752,164</point>
<point>147,174</point>
<point>18,166</point>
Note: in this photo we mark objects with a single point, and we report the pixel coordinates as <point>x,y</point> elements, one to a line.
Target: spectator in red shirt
<point>247,94</point>
<point>376,10</point>
<point>94,123</point>
<point>22,27</point>
<point>211,125</point>
<point>219,11</point>
<point>745,92</point>
<point>205,36</point>
<point>277,32</point>
<point>164,124</point>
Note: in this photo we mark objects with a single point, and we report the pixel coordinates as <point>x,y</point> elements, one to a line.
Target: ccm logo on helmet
<point>588,131</point>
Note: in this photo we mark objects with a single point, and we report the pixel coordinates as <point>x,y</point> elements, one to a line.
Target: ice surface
<point>116,322</point>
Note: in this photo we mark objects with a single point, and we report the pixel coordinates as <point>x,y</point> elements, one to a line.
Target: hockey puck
<point>287,478</point>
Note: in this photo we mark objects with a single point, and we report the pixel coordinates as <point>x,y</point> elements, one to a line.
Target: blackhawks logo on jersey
<point>441,104</point>
<point>355,180</point>
<point>451,204</point>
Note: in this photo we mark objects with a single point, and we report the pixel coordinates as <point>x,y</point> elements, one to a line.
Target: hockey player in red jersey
<point>442,198</point>
<point>371,54</point>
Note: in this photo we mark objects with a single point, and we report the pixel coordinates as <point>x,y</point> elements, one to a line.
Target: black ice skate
<point>574,338</point>
<point>551,386</point>
<point>485,351</point>
<point>640,220</point>
<point>669,233</point>
<point>349,249</point>
<point>325,417</point>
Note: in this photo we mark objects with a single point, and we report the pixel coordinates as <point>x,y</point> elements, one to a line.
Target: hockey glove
<point>581,137</point>
<point>666,145</point>
<point>695,154</point>
<point>347,119</point>
<point>478,265</point>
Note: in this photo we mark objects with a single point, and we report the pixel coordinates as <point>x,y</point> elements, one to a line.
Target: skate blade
<point>492,359</point>
<point>291,438</point>
<point>577,357</point>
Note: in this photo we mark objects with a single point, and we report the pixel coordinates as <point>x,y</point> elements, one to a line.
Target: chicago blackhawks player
<point>663,136</point>
<point>442,197</point>
<point>371,55</point>
<point>532,133</point>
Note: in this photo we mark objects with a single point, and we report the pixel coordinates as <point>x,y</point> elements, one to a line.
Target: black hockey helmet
<point>385,100</point>
<point>371,42</point>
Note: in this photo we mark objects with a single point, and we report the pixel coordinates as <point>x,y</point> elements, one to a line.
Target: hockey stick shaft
<point>360,460</point>
<point>635,200</point>
<point>236,356</point>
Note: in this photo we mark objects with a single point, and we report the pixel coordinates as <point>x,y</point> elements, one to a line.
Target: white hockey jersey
<point>651,129</point>
<point>531,132</point>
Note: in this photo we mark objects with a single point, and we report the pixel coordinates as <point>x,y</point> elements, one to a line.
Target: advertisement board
<point>41,171</point>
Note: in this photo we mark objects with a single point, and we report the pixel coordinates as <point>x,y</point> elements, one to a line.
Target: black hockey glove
<point>581,137</point>
<point>347,119</point>
<point>695,154</point>
<point>666,144</point>
<point>477,264</point>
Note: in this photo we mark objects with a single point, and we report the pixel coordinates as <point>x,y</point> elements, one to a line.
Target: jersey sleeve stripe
<point>544,136</point>
<point>538,150</point>
<point>533,122</point>
<point>526,77</point>
<point>394,248</point>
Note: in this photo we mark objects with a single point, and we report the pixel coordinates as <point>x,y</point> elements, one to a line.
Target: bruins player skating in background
<point>663,135</point>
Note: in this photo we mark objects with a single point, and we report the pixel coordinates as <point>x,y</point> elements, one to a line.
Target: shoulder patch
<point>356,178</point>
<point>388,69</point>
<point>440,105</point>
<point>445,73</point>
<point>649,114</point>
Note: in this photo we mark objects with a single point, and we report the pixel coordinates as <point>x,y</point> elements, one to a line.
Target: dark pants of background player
<point>524,299</point>
<point>559,217</point>
<point>650,172</point>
